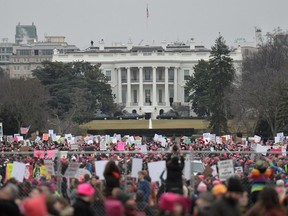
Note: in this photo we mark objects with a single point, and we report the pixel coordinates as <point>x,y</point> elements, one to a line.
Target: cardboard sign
<point>226,169</point>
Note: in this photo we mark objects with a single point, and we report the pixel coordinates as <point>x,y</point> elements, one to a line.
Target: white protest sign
<point>136,167</point>
<point>218,140</point>
<point>50,133</point>
<point>239,170</point>
<point>257,139</point>
<point>163,142</point>
<point>262,149</point>
<point>131,139</point>
<point>1,129</point>
<point>103,145</point>
<point>143,148</point>
<point>99,168</point>
<point>226,169</point>
<point>187,169</point>
<point>284,153</point>
<point>213,137</point>
<point>74,146</point>
<point>49,167</point>
<point>281,136</point>
<point>214,173</point>
<point>277,139</point>
<point>72,170</point>
<point>155,137</point>
<point>206,137</point>
<point>20,138</point>
<point>63,154</point>
<point>18,171</point>
<point>155,169</point>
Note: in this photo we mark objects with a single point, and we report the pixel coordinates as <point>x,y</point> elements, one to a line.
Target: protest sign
<point>49,167</point>
<point>9,168</point>
<point>155,169</point>
<point>50,133</point>
<point>121,146</point>
<point>18,171</point>
<point>45,136</point>
<point>39,154</point>
<point>63,154</point>
<point>226,169</point>
<point>99,168</point>
<point>136,167</point>
<point>28,172</point>
<point>72,169</point>
<point>103,145</point>
<point>51,153</point>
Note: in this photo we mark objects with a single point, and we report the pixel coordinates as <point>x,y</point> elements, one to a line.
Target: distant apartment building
<point>6,50</point>
<point>27,57</point>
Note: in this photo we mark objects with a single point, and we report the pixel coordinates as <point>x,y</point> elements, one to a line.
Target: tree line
<point>61,96</point>
<point>258,94</point>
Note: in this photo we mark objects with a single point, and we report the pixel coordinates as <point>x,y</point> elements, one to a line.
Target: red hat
<point>168,200</point>
<point>29,205</point>
<point>114,207</point>
<point>85,189</point>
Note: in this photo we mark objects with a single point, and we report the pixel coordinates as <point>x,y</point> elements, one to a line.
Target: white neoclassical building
<point>146,79</point>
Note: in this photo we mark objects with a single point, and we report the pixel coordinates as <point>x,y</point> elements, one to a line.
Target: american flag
<point>24,130</point>
<point>147,11</point>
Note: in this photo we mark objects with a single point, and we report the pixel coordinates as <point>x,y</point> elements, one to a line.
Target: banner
<point>39,154</point>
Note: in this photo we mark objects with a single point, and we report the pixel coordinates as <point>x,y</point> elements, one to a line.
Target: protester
<point>143,185</point>
<point>268,204</point>
<point>175,166</point>
<point>82,205</point>
<point>229,203</point>
<point>8,195</point>
<point>112,177</point>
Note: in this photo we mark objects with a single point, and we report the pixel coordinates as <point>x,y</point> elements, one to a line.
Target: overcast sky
<point>118,20</point>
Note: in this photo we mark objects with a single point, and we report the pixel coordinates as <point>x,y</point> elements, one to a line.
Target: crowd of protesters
<point>259,189</point>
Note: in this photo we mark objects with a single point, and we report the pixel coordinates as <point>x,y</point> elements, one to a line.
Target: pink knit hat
<point>85,189</point>
<point>202,187</point>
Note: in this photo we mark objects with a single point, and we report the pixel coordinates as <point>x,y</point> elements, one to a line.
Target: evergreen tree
<point>222,75</point>
<point>209,85</point>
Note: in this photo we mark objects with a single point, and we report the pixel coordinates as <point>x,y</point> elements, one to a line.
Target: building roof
<point>26,31</point>
<point>147,49</point>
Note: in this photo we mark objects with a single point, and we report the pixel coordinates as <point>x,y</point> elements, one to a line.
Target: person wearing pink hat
<point>82,206</point>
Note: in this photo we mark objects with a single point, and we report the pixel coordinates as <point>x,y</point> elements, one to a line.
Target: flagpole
<point>147,16</point>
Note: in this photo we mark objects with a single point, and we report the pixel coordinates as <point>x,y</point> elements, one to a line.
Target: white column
<point>128,102</point>
<point>175,99</point>
<point>119,86</point>
<point>141,99</point>
<point>166,87</point>
<point>154,98</point>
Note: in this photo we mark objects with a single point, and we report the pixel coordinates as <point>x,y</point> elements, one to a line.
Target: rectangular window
<point>160,75</point>
<point>108,75</point>
<point>147,96</point>
<point>147,75</point>
<point>186,75</point>
<point>134,75</point>
<point>171,74</point>
<point>160,96</point>
<point>134,96</point>
<point>124,76</point>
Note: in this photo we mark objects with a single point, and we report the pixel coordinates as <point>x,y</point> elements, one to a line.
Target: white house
<point>146,79</point>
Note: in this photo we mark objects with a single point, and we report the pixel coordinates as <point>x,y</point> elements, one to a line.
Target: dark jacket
<point>225,207</point>
<point>111,182</point>
<point>8,208</point>
<point>174,182</point>
<point>82,208</point>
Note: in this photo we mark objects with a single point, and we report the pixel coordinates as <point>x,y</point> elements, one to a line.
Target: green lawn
<point>143,124</point>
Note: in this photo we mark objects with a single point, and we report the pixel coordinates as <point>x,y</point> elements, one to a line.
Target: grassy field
<point>143,124</point>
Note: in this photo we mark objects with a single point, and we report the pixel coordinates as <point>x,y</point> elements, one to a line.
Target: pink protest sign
<point>50,153</point>
<point>121,146</point>
<point>39,154</point>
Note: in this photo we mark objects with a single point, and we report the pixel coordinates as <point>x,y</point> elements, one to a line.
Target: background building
<point>146,80</point>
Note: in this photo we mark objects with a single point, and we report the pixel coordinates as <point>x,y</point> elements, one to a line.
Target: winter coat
<point>82,208</point>
<point>174,182</point>
<point>225,207</point>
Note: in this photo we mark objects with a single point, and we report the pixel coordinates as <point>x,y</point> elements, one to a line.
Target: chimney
<point>192,43</point>
<point>101,44</point>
